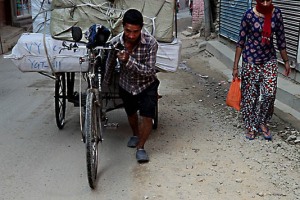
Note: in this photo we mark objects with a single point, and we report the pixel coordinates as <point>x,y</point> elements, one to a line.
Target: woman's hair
<point>133,16</point>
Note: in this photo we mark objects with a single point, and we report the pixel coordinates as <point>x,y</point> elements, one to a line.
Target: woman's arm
<point>238,52</point>
<point>281,43</point>
<point>240,44</point>
<point>285,59</point>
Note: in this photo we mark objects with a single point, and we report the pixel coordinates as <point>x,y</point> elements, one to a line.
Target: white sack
<point>168,55</point>
<point>29,55</point>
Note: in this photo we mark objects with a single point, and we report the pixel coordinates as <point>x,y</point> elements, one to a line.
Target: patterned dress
<point>259,69</point>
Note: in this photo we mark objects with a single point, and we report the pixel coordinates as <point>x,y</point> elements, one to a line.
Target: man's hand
<point>123,56</point>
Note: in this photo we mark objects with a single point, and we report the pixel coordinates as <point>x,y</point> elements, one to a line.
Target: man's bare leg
<point>134,124</point>
<point>144,131</point>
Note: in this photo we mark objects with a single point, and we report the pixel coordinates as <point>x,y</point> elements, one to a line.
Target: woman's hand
<point>285,59</point>
<point>287,69</point>
<point>235,72</point>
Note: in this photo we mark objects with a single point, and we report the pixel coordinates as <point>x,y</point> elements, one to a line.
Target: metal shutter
<point>291,16</point>
<point>231,13</point>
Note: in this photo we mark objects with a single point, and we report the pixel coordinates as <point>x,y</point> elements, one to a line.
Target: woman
<point>259,67</point>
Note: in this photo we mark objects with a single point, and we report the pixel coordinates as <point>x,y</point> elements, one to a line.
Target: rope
<point>46,50</point>
<point>80,105</point>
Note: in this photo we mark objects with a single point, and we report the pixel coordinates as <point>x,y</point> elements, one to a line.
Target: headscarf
<point>267,12</point>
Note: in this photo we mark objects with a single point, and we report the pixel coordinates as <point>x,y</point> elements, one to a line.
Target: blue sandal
<point>133,141</point>
<point>250,136</point>
<point>141,156</point>
<point>267,134</point>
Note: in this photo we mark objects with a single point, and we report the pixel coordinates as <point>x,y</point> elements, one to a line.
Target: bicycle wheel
<point>92,130</point>
<point>60,100</point>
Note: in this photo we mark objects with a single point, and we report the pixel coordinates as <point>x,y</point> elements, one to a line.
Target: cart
<point>96,100</point>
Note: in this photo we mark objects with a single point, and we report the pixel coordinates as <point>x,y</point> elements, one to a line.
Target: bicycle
<point>94,118</point>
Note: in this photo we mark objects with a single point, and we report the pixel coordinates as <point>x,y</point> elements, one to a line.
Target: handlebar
<point>75,46</point>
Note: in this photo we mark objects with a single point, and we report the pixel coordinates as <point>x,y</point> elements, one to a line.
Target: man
<point>138,82</point>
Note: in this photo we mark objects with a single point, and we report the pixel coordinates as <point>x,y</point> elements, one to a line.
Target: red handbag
<point>234,95</point>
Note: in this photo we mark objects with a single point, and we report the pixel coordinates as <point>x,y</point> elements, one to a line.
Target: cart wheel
<point>60,100</point>
<point>93,134</point>
<point>155,120</point>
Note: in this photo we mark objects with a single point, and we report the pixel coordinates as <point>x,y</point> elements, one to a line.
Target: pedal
<point>111,125</point>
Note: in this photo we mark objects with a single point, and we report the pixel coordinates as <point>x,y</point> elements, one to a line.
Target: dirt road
<point>199,150</point>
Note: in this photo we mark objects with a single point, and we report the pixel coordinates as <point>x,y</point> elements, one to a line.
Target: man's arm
<point>146,68</point>
<point>110,66</point>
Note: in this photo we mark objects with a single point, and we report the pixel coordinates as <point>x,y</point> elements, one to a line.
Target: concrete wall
<point>2,13</point>
<point>198,15</point>
<point>199,12</point>
<point>298,56</point>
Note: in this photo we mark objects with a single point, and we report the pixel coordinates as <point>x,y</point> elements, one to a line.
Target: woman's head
<point>264,2</point>
<point>264,6</point>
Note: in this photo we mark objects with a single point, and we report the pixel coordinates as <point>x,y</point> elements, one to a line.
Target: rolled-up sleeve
<point>110,66</point>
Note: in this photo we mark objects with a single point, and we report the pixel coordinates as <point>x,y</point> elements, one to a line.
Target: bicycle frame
<point>93,128</point>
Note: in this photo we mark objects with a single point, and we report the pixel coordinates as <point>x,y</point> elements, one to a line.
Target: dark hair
<point>133,16</point>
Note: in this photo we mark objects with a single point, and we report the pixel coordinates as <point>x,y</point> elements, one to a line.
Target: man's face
<point>132,32</point>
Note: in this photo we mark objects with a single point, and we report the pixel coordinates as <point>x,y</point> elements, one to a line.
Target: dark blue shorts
<point>145,102</point>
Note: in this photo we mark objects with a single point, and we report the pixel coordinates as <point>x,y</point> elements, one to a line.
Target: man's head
<point>132,25</point>
<point>133,16</point>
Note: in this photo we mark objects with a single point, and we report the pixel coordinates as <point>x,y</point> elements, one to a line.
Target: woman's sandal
<point>250,135</point>
<point>267,134</point>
